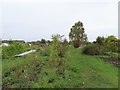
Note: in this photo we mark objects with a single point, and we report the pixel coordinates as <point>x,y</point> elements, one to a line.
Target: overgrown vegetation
<point>79,71</point>
<point>102,45</point>
<point>13,49</point>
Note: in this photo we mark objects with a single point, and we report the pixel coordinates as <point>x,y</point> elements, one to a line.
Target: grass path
<point>91,71</point>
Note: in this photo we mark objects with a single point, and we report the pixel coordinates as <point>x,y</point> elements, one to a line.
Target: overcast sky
<point>35,19</point>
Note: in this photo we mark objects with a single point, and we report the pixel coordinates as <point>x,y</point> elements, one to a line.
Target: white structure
<point>30,44</point>
<point>25,53</point>
<point>5,44</point>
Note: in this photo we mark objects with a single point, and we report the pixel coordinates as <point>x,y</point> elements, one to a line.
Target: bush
<point>92,49</point>
<point>112,55</point>
<point>54,48</point>
<point>111,43</point>
<point>13,49</point>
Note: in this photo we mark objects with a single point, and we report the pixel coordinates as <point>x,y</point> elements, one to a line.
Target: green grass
<point>79,71</point>
<point>93,72</point>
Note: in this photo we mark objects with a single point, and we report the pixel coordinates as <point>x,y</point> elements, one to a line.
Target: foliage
<point>58,51</point>
<point>13,49</point>
<point>77,34</point>
<point>108,44</point>
<point>81,71</point>
<point>12,41</point>
<point>43,41</point>
<point>112,55</point>
<point>65,41</point>
<point>100,40</point>
<point>48,42</point>
<point>92,49</point>
<point>111,43</point>
<point>55,47</point>
<point>101,44</point>
<point>62,50</point>
<point>118,45</point>
<point>45,51</point>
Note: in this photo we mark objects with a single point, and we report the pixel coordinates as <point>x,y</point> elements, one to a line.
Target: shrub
<point>57,51</point>
<point>54,48</point>
<point>111,43</point>
<point>13,49</point>
<point>112,55</point>
<point>92,49</point>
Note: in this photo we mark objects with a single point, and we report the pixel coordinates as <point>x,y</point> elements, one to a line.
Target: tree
<point>43,41</point>
<point>77,34</point>
<point>48,41</point>
<point>111,43</point>
<point>100,42</point>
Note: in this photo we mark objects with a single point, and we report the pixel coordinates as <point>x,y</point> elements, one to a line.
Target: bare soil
<point>114,61</point>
